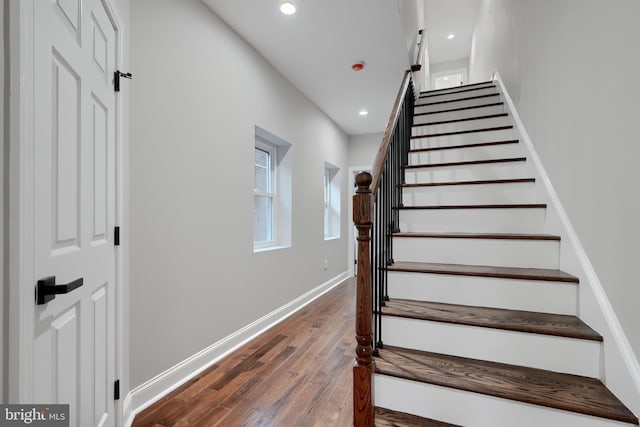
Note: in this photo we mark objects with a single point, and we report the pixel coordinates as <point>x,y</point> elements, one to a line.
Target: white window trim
<point>282,163</point>
<point>331,202</point>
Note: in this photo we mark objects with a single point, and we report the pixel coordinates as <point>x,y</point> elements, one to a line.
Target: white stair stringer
<point>461,126</point>
<point>514,294</point>
<point>497,252</point>
<point>486,109</point>
<point>472,409</point>
<point>489,193</point>
<point>462,154</point>
<point>569,355</point>
<point>477,220</point>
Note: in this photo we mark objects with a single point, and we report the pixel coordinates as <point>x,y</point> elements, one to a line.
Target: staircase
<point>479,325</point>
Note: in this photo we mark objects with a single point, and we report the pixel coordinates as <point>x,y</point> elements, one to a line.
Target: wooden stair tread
<point>390,418</point>
<point>493,206</point>
<point>467,163</point>
<point>468,98</point>
<point>466,119</point>
<point>426,92</point>
<point>496,318</point>
<point>463,132</point>
<point>494,104</point>
<point>484,271</point>
<point>496,236</point>
<point>462,146</point>
<point>479,182</point>
<point>536,386</point>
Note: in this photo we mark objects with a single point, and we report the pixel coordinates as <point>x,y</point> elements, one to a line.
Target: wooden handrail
<point>363,368</point>
<point>378,164</point>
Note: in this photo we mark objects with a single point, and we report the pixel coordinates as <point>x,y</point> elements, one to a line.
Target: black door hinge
<point>116,79</point>
<point>116,236</point>
<point>116,390</point>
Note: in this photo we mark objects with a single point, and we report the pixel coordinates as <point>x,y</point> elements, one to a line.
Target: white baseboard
<point>147,393</point>
<point>127,410</point>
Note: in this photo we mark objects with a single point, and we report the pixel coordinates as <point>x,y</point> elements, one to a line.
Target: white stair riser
<point>430,107</point>
<point>498,220</point>
<point>514,294</point>
<point>456,95</point>
<point>460,126</point>
<point>457,89</point>
<point>472,409</point>
<point>493,252</point>
<point>469,194</point>
<point>460,114</point>
<point>463,138</point>
<point>474,172</point>
<point>572,356</point>
<point>501,151</point>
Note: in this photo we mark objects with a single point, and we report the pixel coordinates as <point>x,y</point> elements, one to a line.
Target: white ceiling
<point>444,17</point>
<point>315,48</point>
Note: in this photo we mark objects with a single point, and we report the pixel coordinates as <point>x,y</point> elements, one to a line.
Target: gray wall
<point>570,66</point>
<point>363,148</point>
<point>198,92</point>
<point>3,169</point>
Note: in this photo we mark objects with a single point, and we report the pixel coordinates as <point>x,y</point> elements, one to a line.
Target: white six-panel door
<point>75,184</point>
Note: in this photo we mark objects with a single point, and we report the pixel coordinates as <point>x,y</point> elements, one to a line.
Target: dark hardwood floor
<point>299,373</point>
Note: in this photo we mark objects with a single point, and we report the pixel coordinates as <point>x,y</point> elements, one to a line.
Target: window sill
<point>270,248</point>
<point>332,238</point>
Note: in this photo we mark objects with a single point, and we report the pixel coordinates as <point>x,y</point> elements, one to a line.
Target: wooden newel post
<point>363,368</point>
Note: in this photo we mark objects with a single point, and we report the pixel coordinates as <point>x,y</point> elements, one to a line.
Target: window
<point>263,195</point>
<point>272,165</point>
<point>331,202</point>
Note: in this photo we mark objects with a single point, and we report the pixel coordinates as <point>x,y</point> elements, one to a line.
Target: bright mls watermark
<point>34,415</point>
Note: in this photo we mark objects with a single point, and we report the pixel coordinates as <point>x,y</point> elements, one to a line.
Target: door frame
<point>353,170</point>
<point>21,303</point>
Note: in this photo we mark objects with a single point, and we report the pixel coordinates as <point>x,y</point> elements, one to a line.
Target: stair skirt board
<point>462,93</point>
<point>519,220</point>
<point>467,172</point>
<point>569,355</point>
<point>467,125</point>
<point>483,152</point>
<point>464,138</point>
<point>514,294</point>
<point>472,409</point>
<point>474,251</point>
<point>445,114</point>
<point>499,193</point>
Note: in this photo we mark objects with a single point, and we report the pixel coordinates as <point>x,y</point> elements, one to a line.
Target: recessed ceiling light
<point>445,78</point>
<point>451,36</point>
<point>288,7</point>
<point>363,112</point>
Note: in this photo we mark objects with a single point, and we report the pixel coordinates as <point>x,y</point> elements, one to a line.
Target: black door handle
<point>46,289</point>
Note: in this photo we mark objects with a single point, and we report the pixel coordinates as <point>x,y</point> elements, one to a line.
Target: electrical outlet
<point>326,264</point>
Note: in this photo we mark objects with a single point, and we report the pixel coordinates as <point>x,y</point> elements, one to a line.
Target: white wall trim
<point>350,234</point>
<point>621,340</point>
<point>147,393</point>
